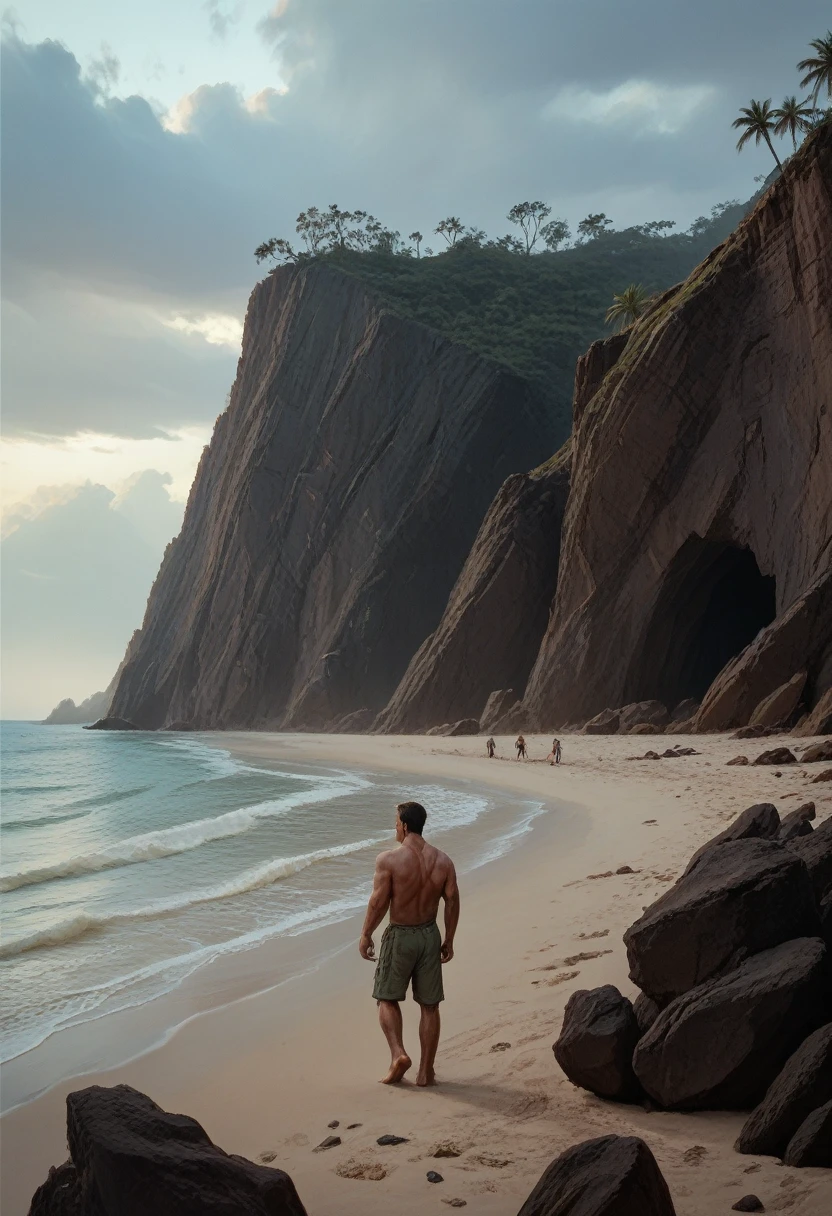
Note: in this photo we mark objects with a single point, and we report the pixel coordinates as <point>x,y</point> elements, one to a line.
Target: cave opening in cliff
<point>714,601</point>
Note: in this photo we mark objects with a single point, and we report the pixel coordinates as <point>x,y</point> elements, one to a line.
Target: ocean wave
<point>74,810</point>
<point>250,880</point>
<point>166,842</point>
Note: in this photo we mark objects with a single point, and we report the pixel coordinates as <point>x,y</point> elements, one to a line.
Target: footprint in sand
<point>557,979</point>
<point>267,1157</point>
<point>694,1154</point>
<point>573,959</point>
<point>369,1171</point>
<point>597,933</point>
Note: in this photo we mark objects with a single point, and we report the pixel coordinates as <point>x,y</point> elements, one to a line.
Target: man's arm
<point>377,907</point>
<point>451,898</point>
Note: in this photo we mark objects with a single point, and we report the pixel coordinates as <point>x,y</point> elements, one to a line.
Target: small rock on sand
<point>434,1177</point>
<point>826,775</point>
<point>350,1126</point>
<point>500,1046</point>
<point>456,1203</point>
<point>334,1123</point>
<point>748,1203</point>
<point>384,1140</point>
<point>330,1142</point>
<point>739,760</point>
<point>625,870</point>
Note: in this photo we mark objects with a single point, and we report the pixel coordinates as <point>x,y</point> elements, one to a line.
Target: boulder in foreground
<point>610,1176</point>
<point>803,1084</point>
<point>596,1043</point>
<point>811,1144</point>
<point>760,821</point>
<point>815,851</point>
<point>741,897</point>
<point>131,1158</point>
<point>722,1044</point>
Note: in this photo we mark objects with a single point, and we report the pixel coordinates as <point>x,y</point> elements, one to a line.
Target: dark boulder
<point>721,1045</point>
<point>826,918</point>
<point>815,851</point>
<point>131,1158</point>
<point>685,710</point>
<point>819,719</point>
<point>610,1176</point>
<point>646,1011</point>
<point>466,726</point>
<point>758,822</point>
<point>803,1084</point>
<point>740,898</point>
<point>811,1144</point>
<point>605,723</point>
<point>797,822</point>
<point>596,1043</point>
<point>642,713</point>
<point>817,753</point>
<point>777,755</point>
<point>779,706</point>
<point>112,724</point>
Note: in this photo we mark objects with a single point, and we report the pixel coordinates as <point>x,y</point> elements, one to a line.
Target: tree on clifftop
<point>757,121</point>
<point>818,68</point>
<point>450,228</point>
<point>594,226</point>
<point>529,217</point>
<point>793,117</point>
<point>627,306</point>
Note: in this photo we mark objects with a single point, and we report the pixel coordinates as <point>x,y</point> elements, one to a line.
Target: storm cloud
<point>128,231</point>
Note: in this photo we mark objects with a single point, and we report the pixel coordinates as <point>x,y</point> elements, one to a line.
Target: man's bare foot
<point>426,1077</point>
<point>397,1070</point>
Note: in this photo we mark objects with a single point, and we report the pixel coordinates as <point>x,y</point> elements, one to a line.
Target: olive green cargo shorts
<point>410,952</point>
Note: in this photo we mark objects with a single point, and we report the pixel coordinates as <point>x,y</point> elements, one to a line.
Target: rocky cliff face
<point>497,613</point>
<point>700,510</point>
<point>330,515</point>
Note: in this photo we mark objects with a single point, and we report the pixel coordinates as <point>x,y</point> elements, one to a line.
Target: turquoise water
<point>128,861</point>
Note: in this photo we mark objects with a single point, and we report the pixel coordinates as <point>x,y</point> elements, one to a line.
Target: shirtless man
<point>409,882</point>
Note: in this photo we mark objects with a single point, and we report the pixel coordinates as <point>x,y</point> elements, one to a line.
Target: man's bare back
<point>410,882</point>
<point>419,877</point>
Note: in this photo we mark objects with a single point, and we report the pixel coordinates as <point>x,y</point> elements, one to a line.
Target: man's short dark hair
<point>413,816</point>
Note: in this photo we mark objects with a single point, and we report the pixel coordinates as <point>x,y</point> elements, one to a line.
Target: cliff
<point>331,513</point>
<point>700,509</point>
<point>497,613</point>
<point>67,713</point>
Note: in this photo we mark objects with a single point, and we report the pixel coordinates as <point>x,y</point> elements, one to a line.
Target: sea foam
<point>166,842</point>
<point>259,876</point>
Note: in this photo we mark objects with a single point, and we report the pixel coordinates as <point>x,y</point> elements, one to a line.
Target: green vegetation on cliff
<point>533,315</point>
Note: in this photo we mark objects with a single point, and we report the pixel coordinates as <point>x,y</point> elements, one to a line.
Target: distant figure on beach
<point>491,747</point>
<point>521,747</point>
<point>556,751</point>
<point>409,882</point>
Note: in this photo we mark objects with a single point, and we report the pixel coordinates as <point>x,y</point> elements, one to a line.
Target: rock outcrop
<point>700,508</point>
<point>498,611</point>
<point>130,1158</point>
<point>331,513</point>
<point>610,1176</point>
<point>596,1043</point>
<point>721,1044</point>
<point>811,1144</point>
<point>804,1084</point>
<point>67,713</point>
<point>741,897</point>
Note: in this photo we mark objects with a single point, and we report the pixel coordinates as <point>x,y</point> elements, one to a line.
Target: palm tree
<point>793,116</point>
<point>627,306</point>
<point>818,68</point>
<point>758,119</point>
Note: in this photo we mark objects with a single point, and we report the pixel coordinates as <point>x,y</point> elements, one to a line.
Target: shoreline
<point>268,1071</point>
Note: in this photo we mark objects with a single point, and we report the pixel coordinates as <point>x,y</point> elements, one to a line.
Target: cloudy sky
<point>149,146</point>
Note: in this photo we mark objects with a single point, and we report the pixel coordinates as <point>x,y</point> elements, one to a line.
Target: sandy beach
<point>268,1074</point>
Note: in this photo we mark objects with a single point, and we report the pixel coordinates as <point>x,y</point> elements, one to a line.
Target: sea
<point>129,861</point>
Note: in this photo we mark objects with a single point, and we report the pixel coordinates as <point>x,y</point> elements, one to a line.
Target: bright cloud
<point>640,105</point>
<point>216,329</point>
